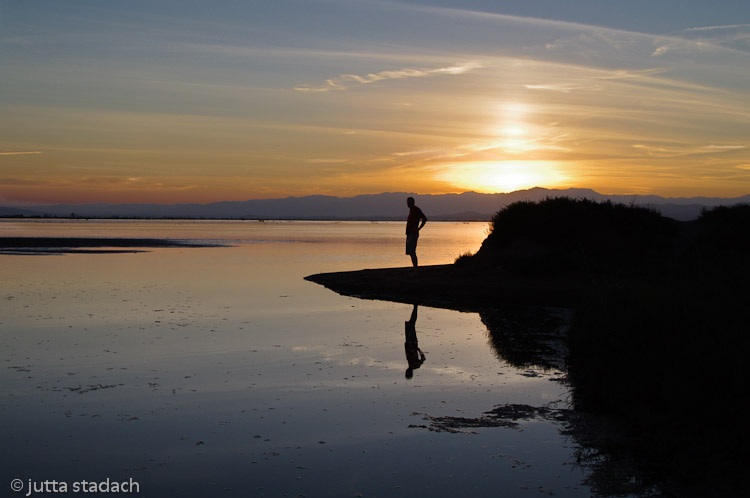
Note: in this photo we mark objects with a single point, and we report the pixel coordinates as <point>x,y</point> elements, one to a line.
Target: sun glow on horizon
<point>502,176</point>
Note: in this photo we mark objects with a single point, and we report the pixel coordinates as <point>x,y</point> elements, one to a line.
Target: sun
<point>502,162</point>
<point>501,176</point>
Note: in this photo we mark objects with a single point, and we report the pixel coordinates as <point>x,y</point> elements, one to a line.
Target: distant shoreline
<point>465,206</point>
<point>373,219</point>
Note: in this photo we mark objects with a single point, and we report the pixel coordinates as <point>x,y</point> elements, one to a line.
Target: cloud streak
<point>686,150</point>
<point>346,81</point>
<point>735,37</point>
<point>710,28</point>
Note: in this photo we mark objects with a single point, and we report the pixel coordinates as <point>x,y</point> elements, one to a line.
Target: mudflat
<point>43,245</point>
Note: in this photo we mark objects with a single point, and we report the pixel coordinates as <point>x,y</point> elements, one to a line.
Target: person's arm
<point>422,221</point>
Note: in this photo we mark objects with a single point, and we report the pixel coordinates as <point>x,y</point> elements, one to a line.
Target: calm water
<point>219,371</point>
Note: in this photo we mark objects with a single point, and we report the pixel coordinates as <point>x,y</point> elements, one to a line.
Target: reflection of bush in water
<point>537,337</point>
<point>524,336</point>
<point>672,364</point>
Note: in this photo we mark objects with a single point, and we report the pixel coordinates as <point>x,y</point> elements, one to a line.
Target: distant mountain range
<point>468,206</point>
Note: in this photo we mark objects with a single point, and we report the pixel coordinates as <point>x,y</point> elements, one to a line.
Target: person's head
<point>410,201</point>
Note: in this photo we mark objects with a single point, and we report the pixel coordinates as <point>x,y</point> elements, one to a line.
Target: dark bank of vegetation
<point>659,335</point>
<point>564,235</point>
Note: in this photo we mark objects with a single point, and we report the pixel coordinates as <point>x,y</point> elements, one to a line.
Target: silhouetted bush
<point>563,234</point>
<point>724,235</point>
<point>463,258</point>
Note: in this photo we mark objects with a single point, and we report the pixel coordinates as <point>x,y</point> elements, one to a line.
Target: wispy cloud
<point>455,12</point>
<point>19,153</point>
<point>250,51</point>
<point>594,79</point>
<point>30,182</point>
<point>593,42</point>
<point>733,37</point>
<point>677,151</point>
<point>565,87</point>
<point>346,81</point>
<point>326,161</point>
<point>711,28</point>
<point>102,183</point>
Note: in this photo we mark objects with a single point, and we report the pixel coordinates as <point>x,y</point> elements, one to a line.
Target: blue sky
<point>167,101</point>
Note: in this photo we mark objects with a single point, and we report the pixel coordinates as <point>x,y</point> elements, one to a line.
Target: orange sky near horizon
<point>118,107</point>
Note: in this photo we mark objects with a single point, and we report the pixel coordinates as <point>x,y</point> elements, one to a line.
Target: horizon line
<point>28,205</point>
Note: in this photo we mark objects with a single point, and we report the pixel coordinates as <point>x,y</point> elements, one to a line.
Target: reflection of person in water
<point>414,356</point>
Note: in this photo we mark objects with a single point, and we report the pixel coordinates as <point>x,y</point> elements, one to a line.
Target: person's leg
<point>411,248</point>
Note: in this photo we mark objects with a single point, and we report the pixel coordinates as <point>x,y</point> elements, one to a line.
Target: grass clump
<point>464,258</point>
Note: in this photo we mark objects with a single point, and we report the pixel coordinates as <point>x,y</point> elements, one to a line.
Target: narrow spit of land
<point>454,286</point>
<point>61,245</point>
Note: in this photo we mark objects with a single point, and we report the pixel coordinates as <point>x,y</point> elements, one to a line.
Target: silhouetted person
<point>414,224</point>
<point>414,356</point>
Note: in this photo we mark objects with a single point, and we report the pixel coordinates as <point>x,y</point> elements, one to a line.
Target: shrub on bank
<point>562,234</point>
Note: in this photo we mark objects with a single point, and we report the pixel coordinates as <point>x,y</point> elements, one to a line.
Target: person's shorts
<point>411,242</point>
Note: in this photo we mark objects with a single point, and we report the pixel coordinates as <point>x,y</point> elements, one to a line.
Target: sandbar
<point>61,245</point>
